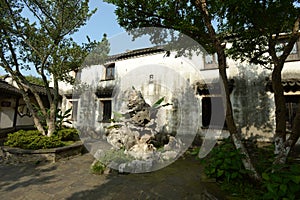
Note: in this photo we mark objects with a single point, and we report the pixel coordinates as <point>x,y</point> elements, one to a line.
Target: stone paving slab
<point>72,179</point>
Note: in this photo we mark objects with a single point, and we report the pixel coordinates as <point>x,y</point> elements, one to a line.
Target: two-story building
<point>157,72</point>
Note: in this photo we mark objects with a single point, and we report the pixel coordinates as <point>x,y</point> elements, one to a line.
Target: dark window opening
<point>213,113</point>
<point>106,111</point>
<point>292,103</point>
<point>110,72</point>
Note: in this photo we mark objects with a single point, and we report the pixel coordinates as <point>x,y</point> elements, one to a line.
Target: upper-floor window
<point>210,61</point>
<point>110,72</point>
<point>294,50</point>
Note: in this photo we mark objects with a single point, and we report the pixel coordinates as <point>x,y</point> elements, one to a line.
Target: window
<point>106,110</point>
<point>208,59</point>
<point>74,110</point>
<point>291,109</point>
<point>213,113</point>
<point>110,72</point>
<point>294,50</point>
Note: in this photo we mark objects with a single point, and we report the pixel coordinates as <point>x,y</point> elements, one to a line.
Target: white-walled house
<point>14,114</point>
<point>157,72</point>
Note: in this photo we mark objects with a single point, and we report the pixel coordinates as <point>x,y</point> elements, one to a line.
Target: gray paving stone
<point>72,179</point>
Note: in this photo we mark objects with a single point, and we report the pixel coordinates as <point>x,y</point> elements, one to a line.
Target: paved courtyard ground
<point>72,179</point>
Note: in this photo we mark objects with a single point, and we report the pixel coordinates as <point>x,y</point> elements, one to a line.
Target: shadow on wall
<point>253,105</point>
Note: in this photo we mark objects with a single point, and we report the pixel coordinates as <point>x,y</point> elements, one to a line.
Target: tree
<point>45,45</point>
<point>35,80</point>
<point>194,19</point>
<point>264,32</point>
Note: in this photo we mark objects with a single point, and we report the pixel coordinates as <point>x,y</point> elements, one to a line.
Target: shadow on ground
<point>23,175</point>
<point>180,180</point>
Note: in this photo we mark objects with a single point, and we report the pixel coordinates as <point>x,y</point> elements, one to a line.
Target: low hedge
<point>68,134</point>
<point>33,139</point>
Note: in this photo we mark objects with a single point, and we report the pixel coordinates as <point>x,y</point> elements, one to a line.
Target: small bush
<point>225,163</point>
<point>68,134</point>
<point>32,139</point>
<point>282,182</point>
<point>98,168</point>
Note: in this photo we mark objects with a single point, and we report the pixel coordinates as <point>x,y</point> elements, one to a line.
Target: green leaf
<point>220,173</point>
<point>234,175</point>
<point>156,104</point>
<point>283,188</point>
<point>296,179</point>
<point>265,176</point>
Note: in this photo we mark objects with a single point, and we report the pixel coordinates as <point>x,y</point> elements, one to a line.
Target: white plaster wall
<point>6,117</point>
<point>24,121</point>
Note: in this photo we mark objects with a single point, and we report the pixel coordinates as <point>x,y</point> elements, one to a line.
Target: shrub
<point>68,134</point>
<point>282,182</point>
<point>98,168</point>
<point>225,163</point>
<point>32,139</point>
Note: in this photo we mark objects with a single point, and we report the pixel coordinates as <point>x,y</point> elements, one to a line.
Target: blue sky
<point>103,21</point>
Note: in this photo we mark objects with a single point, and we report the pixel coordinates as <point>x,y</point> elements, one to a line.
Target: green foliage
<point>44,43</point>
<point>225,163</point>
<point>68,134</point>
<point>182,16</point>
<point>62,117</point>
<point>157,103</point>
<point>279,182</point>
<point>35,80</point>
<point>32,139</point>
<point>254,36</point>
<point>282,182</point>
<point>98,167</point>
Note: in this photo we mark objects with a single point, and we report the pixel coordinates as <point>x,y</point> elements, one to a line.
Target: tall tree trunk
<point>51,121</point>
<point>280,111</point>
<point>234,133</point>
<point>291,141</point>
<point>53,108</point>
<point>35,116</point>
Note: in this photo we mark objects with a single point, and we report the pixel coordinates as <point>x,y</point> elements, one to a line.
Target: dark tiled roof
<point>291,85</point>
<point>135,53</point>
<point>104,92</point>
<point>6,88</point>
<point>41,89</point>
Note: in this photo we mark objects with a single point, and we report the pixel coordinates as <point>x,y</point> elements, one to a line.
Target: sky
<point>103,21</point>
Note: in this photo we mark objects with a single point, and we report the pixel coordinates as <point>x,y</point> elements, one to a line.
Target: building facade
<point>191,80</point>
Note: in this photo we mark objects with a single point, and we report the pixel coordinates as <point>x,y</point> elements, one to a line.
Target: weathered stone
<point>142,151</point>
<point>168,155</point>
<point>136,166</point>
<point>172,144</point>
<point>137,133</point>
<point>122,137</point>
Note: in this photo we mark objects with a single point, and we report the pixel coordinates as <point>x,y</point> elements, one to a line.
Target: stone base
<point>17,155</point>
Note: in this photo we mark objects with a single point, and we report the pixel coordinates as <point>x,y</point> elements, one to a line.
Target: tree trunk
<point>51,118</point>
<point>291,141</point>
<point>233,130</point>
<point>35,117</point>
<point>280,112</point>
<point>235,135</point>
